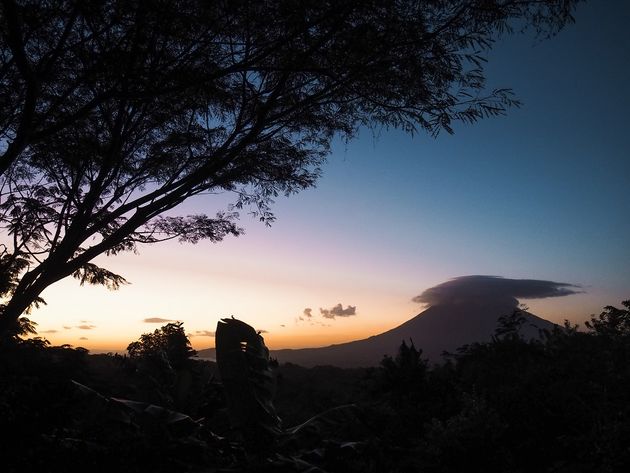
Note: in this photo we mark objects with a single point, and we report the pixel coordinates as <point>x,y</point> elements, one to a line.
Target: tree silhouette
<point>115,112</point>
<point>406,373</point>
<point>612,322</point>
<point>168,342</point>
<point>162,360</point>
<point>509,325</point>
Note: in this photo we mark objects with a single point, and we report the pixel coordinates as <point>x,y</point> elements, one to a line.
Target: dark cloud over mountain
<point>470,289</point>
<point>338,311</point>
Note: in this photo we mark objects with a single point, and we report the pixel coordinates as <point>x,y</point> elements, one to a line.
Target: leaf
<point>320,418</point>
<point>93,274</point>
<point>178,424</point>
<point>243,361</point>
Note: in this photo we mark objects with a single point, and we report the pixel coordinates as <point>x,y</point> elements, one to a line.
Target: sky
<point>539,194</point>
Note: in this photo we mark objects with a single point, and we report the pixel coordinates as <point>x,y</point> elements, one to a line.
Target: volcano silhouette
<point>442,327</point>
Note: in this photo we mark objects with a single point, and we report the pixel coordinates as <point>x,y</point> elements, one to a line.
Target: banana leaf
<point>125,411</point>
<point>243,362</point>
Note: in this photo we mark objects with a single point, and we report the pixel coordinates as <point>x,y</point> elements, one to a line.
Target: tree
<point>509,326</point>
<point>168,343</point>
<point>16,335</point>
<point>612,323</point>
<point>406,374</point>
<point>115,112</point>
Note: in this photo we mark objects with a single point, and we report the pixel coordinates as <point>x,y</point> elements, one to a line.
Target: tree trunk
<point>22,299</point>
<point>18,304</point>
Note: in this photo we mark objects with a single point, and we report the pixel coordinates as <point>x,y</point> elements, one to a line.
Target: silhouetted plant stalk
<point>243,361</point>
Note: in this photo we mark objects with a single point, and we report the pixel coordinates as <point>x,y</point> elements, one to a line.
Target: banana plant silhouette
<point>243,361</point>
<point>249,384</point>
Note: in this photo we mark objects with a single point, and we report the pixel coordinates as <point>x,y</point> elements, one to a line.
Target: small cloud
<point>300,318</point>
<point>67,327</point>
<point>157,320</point>
<point>86,327</point>
<point>282,325</point>
<point>263,331</point>
<point>83,338</point>
<point>201,333</point>
<point>48,331</point>
<point>338,311</point>
<point>308,312</point>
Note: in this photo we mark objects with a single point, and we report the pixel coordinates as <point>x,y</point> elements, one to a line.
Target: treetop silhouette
<point>115,112</point>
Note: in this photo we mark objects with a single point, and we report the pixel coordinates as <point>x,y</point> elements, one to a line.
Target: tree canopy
<point>169,342</point>
<point>115,112</point>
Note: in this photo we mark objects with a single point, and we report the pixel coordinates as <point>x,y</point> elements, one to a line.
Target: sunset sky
<point>541,193</point>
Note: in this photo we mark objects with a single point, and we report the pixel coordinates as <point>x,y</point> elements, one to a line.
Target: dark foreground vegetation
<point>557,404</point>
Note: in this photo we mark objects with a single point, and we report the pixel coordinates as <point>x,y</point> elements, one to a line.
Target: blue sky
<point>541,193</point>
<point>543,189</point>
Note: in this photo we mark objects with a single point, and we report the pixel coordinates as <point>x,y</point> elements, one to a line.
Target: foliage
<point>612,322</point>
<point>163,358</point>
<point>303,393</point>
<point>115,112</point>
<point>407,372</point>
<point>22,334</point>
<point>509,405</point>
<point>508,326</point>
<point>243,361</point>
<point>244,365</point>
<point>554,404</point>
<point>34,396</point>
<point>469,437</point>
<point>168,343</point>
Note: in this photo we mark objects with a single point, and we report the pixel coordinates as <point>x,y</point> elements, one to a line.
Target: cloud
<point>308,312</point>
<point>469,289</point>
<point>263,331</point>
<point>83,338</point>
<point>86,327</point>
<point>201,333</point>
<point>48,331</point>
<point>338,311</point>
<point>157,320</point>
<point>67,327</point>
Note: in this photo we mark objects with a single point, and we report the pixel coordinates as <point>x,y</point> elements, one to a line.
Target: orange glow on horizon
<point>201,287</point>
<point>282,338</point>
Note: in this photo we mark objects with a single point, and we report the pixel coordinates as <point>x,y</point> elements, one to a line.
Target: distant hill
<point>439,328</point>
